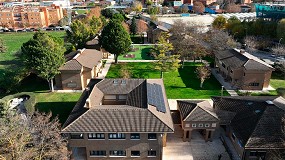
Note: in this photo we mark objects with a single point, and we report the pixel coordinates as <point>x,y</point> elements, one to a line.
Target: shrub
<point>281,91</point>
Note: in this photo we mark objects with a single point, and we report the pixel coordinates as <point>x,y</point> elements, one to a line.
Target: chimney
<point>241,51</point>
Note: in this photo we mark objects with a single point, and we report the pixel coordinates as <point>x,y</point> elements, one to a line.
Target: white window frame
<point>200,125</point>
<point>194,125</point>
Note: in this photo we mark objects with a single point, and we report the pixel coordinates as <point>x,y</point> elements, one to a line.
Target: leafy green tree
<point>2,46</point>
<point>133,27</point>
<point>115,39</point>
<point>108,13</point>
<point>78,34</point>
<point>44,56</point>
<point>118,17</point>
<point>219,22</point>
<point>95,25</point>
<point>231,22</point>
<point>166,61</point>
<point>281,30</point>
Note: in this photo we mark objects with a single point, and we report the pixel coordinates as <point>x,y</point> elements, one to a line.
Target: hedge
<point>29,104</point>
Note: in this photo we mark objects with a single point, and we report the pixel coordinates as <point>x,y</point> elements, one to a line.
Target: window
<point>96,136</point>
<point>117,136</point>
<point>253,84</point>
<point>231,71</point>
<point>194,125</point>
<point>252,153</point>
<point>207,125</point>
<point>110,97</point>
<point>233,136</point>
<point>135,136</point>
<point>76,136</point>
<point>98,153</point>
<point>122,97</point>
<point>200,124</point>
<point>152,136</point>
<point>244,74</point>
<point>260,154</point>
<point>117,153</point>
<point>151,153</point>
<point>214,124</point>
<point>135,153</point>
<point>187,125</point>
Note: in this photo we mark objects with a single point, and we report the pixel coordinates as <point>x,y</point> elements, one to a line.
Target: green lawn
<point>60,104</point>
<point>13,42</point>
<point>82,11</point>
<point>140,53</point>
<point>181,84</point>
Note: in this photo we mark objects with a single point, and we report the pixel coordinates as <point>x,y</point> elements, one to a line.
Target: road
<point>267,57</point>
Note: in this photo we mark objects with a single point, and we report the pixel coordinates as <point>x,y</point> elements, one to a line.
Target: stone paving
<point>196,149</point>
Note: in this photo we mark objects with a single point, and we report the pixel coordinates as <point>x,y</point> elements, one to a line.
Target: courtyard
<point>196,149</point>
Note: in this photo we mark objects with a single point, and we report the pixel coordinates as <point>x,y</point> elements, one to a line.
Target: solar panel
<point>155,97</point>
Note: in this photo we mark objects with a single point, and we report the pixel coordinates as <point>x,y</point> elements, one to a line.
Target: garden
<point>181,84</point>
<point>138,52</point>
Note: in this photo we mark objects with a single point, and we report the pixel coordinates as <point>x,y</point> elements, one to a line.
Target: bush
<point>281,91</point>
<point>29,104</point>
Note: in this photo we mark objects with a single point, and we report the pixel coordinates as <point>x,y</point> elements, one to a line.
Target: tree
<point>198,7</point>
<point>278,50</point>
<point>153,10</point>
<point>94,12</point>
<point>281,29</point>
<point>125,72</point>
<point>133,27</point>
<point>166,61</point>
<point>203,73</point>
<point>78,34</point>
<point>108,13</point>
<point>126,27</point>
<point>43,55</point>
<point>35,138</point>
<point>148,2</point>
<point>220,40</point>
<point>118,17</point>
<point>137,6</point>
<point>3,47</point>
<point>231,23</point>
<point>115,39</point>
<point>184,9</point>
<point>219,22</point>
<point>251,43</point>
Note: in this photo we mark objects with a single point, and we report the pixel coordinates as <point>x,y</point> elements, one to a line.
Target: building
<point>254,125</point>
<point>154,32</point>
<point>120,118</point>
<point>19,16</point>
<point>273,11</point>
<point>197,115</point>
<point>80,68</point>
<point>243,70</point>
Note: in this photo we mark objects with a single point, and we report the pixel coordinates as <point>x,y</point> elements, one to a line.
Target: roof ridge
<point>190,112</point>
<point>75,120</point>
<point>159,118</point>
<point>208,111</point>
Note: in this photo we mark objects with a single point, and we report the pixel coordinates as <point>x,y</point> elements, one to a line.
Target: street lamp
<point>222,91</point>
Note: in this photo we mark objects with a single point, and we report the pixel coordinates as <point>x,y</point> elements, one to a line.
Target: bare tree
<point>38,137</point>
<point>279,50</point>
<point>220,40</point>
<point>251,43</point>
<point>203,73</point>
<point>137,6</point>
<point>198,7</point>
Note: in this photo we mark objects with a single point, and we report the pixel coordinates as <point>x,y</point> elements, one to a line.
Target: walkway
<point>106,68</point>
<point>229,146</point>
<point>226,85</point>
<point>173,102</point>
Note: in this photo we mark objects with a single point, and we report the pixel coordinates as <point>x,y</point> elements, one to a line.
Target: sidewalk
<point>226,85</point>
<point>173,102</point>
<point>106,68</point>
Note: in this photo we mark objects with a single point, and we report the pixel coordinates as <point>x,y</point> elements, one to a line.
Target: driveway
<point>197,149</point>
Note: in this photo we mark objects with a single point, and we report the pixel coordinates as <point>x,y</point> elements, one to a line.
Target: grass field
<point>13,42</point>
<point>181,84</point>
<point>60,104</point>
<point>140,53</point>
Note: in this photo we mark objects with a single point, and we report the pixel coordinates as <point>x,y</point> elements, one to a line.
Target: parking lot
<point>197,149</point>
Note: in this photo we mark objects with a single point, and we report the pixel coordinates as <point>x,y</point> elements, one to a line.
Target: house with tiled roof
<point>80,67</point>
<point>197,115</point>
<point>154,31</point>
<point>243,70</point>
<point>120,118</point>
<point>255,125</point>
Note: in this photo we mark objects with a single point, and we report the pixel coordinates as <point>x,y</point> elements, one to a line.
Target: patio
<point>197,149</point>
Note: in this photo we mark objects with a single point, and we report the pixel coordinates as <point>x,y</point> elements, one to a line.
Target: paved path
<point>173,102</point>
<point>106,68</point>
<point>226,85</point>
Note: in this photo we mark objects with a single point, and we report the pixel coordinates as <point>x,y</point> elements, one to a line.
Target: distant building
<point>19,16</point>
<point>243,70</point>
<point>120,119</point>
<point>81,67</point>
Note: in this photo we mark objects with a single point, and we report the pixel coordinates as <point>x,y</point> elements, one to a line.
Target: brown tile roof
<point>235,59</point>
<point>196,111</point>
<point>135,116</point>
<point>86,58</point>
<point>258,120</point>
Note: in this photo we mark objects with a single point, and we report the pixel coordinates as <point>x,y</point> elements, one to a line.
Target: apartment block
<point>29,16</point>
<point>120,119</point>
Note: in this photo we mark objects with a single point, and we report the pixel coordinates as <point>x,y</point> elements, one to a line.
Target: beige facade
<point>142,144</point>
<point>29,16</point>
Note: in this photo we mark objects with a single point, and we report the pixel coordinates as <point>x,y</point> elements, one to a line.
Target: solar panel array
<point>155,97</point>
